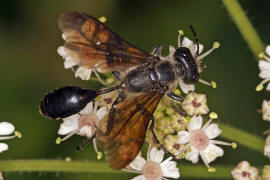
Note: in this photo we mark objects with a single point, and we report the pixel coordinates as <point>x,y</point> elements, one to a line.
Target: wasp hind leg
<point>121,97</point>
<point>152,125</point>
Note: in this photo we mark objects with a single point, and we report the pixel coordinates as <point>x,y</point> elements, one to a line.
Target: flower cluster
<point>178,127</point>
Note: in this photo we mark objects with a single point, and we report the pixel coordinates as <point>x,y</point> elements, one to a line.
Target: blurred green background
<point>30,67</point>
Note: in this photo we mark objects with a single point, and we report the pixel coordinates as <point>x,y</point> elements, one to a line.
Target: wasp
<point>143,79</point>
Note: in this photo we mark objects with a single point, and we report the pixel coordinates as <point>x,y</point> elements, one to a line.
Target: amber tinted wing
<point>131,121</point>
<point>95,45</point>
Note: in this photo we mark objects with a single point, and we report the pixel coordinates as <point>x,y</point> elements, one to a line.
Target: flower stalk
<point>245,27</point>
<point>100,167</point>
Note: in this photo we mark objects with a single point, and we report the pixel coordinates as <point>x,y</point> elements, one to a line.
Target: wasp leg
<point>174,96</point>
<point>145,112</point>
<point>178,110</point>
<point>158,50</point>
<point>116,74</point>
<point>156,139</point>
<point>121,97</point>
<point>84,143</point>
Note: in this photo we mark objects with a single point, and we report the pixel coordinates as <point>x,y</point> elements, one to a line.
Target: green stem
<point>245,27</point>
<point>241,137</point>
<point>100,167</point>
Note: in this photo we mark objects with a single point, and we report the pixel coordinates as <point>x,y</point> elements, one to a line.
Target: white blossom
<point>244,171</point>
<point>6,129</point>
<point>154,168</point>
<point>264,66</point>
<point>201,141</point>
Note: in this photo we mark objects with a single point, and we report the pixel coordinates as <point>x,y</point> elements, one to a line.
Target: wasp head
<point>186,65</point>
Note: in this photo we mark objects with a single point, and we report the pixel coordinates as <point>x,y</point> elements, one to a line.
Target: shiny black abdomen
<point>66,101</point>
<point>147,78</point>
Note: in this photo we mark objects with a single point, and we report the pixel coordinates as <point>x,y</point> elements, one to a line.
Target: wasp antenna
<point>196,39</point>
<point>104,91</point>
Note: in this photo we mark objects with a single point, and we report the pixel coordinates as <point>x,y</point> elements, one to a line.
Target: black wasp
<point>143,80</point>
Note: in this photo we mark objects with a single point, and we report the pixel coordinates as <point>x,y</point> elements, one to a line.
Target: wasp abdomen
<point>66,101</point>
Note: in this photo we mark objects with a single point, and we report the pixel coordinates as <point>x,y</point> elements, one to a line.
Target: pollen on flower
<point>214,84</point>
<point>18,134</point>
<point>181,32</point>
<point>212,169</point>
<point>58,140</point>
<point>102,19</point>
<point>261,55</point>
<point>234,145</point>
<point>259,87</point>
<point>99,155</point>
<point>213,115</point>
<point>216,45</point>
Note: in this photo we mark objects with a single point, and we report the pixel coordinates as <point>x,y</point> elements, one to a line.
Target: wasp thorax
<point>186,65</point>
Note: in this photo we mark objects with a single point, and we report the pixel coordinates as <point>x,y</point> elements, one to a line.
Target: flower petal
<point>169,169</point>
<point>183,137</point>
<point>212,131</point>
<point>3,147</point>
<point>140,177</point>
<point>138,163</point>
<point>267,50</point>
<point>193,155</point>
<point>87,109</point>
<point>195,123</point>
<point>70,62</point>
<point>83,72</point>
<point>156,155</point>
<point>211,152</point>
<point>264,69</point>
<point>101,112</point>
<point>6,128</point>
<point>268,87</point>
<point>86,131</point>
<point>186,87</point>
<point>187,42</point>
<point>69,124</point>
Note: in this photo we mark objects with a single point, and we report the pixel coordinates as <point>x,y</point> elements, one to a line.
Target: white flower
<point>244,171</point>
<point>201,141</point>
<point>186,88</point>
<point>6,129</point>
<point>72,59</point>
<point>154,168</point>
<point>195,104</point>
<point>84,123</point>
<point>264,66</point>
<point>266,110</point>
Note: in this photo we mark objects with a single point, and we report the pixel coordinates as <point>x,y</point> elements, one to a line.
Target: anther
<point>102,19</point>
<point>212,169</point>
<point>58,140</point>
<point>234,145</point>
<point>213,115</point>
<point>18,134</point>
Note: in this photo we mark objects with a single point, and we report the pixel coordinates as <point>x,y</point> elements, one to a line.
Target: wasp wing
<point>130,122</point>
<point>93,44</point>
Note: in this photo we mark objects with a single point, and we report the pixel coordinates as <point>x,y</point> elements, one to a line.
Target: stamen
<point>213,115</point>
<point>148,151</point>
<point>7,137</point>
<point>215,46</point>
<point>212,169</point>
<point>131,171</point>
<point>99,78</point>
<point>102,19</point>
<point>18,134</point>
<point>260,86</point>
<point>262,55</point>
<point>212,84</point>
<point>99,154</point>
<point>182,155</point>
<point>223,143</point>
<point>204,161</point>
<point>206,124</point>
<point>59,139</point>
<point>180,33</point>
